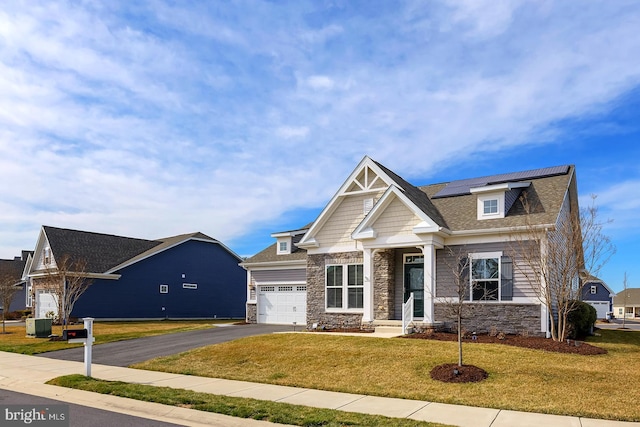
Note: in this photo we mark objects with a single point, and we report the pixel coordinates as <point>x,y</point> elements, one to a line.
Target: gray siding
<point>283,275</point>
<point>445,283</point>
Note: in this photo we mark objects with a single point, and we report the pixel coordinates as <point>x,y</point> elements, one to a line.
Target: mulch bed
<point>537,343</point>
<point>452,373</point>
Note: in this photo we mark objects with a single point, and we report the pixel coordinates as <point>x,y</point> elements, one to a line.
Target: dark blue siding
<point>602,294</point>
<point>220,293</point>
<point>18,302</point>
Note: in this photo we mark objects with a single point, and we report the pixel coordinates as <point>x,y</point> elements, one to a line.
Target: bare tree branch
<point>556,257</point>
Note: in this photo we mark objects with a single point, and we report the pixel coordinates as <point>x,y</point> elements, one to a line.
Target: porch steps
<point>391,327</point>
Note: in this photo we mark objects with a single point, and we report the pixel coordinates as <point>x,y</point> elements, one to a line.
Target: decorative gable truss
<point>367,179</point>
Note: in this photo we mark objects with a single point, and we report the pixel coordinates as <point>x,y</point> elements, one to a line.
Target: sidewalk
<point>27,374</point>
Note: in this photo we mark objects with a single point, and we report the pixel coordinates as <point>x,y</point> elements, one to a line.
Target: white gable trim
<point>366,230</point>
<point>309,241</point>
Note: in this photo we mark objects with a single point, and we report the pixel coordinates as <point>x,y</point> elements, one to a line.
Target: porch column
<point>429,253</point>
<point>367,303</point>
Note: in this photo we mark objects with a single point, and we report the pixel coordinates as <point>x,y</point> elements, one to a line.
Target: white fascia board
<point>274,265</point>
<point>308,244</point>
<point>367,233</point>
<point>308,241</point>
<point>87,275</point>
<point>499,187</point>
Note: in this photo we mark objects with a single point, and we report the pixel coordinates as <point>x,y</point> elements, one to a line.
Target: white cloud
<point>289,132</point>
<point>148,119</point>
<point>320,82</point>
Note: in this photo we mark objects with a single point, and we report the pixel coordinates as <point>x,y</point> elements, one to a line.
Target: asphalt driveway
<point>125,353</point>
<point>632,324</point>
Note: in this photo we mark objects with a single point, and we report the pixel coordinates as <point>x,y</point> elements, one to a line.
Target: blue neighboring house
<point>181,277</point>
<point>596,293</point>
<point>14,269</point>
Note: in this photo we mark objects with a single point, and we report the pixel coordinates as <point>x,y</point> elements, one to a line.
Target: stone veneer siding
<point>252,313</point>
<point>506,318</point>
<point>316,313</point>
<point>384,285</point>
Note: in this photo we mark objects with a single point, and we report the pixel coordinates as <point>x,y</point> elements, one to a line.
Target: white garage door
<point>281,304</point>
<point>602,307</point>
<point>45,303</point>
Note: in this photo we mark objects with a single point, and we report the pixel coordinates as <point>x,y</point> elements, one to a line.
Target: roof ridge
<point>49,227</point>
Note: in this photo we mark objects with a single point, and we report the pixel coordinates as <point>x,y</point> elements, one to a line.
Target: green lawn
<point>282,413</point>
<point>16,341</point>
<point>519,379</point>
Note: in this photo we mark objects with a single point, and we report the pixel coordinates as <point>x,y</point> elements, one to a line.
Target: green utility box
<point>38,328</point>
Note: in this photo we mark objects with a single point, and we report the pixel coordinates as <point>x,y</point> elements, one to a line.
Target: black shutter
<point>506,279</point>
<point>464,269</point>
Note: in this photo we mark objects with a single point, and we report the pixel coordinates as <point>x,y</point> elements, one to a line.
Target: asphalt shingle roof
<point>632,295</point>
<point>101,251</point>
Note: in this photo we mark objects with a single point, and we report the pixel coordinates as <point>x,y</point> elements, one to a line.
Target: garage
<point>45,303</point>
<point>282,304</point>
<point>602,308</point>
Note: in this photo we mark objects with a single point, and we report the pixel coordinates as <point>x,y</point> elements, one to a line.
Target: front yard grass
<point>519,379</point>
<point>16,341</point>
<point>282,413</point>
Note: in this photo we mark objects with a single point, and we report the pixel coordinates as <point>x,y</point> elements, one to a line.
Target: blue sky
<point>239,119</point>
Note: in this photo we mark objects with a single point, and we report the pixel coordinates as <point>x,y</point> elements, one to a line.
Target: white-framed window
<point>283,247</point>
<point>46,256</point>
<point>619,312</point>
<point>490,206</point>
<point>189,286</point>
<point>594,289</point>
<point>491,277</point>
<point>344,287</point>
<point>164,289</point>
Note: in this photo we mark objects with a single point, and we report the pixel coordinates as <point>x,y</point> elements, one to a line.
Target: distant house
<point>627,303</point>
<point>378,252</point>
<point>180,277</point>
<point>14,268</point>
<point>597,294</point>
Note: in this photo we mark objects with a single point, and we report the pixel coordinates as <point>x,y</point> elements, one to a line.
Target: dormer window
<point>494,201</point>
<point>490,206</point>
<point>46,256</point>
<point>283,247</point>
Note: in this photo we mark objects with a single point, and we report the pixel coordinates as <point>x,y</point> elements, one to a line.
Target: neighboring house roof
<point>12,268</point>
<point>102,252</point>
<point>106,253</point>
<point>631,295</point>
<point>591,280</point>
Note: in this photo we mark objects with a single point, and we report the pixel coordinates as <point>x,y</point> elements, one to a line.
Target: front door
<point>414,282</point>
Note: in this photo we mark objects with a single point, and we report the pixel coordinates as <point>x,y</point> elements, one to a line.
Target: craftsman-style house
<point>381,243</point>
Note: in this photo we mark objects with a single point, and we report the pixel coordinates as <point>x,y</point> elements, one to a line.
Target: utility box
<point>38,328</point>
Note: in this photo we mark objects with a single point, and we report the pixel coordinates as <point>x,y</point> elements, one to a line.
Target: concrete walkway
<point>27,374</point>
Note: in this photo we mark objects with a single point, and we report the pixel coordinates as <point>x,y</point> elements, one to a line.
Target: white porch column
<point>367,267</point>
<point>429,253</point>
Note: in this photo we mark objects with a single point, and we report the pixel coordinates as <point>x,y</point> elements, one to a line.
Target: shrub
<point>581,320</point>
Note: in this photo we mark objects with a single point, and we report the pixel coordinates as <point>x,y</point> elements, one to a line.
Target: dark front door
<point>414,282</point>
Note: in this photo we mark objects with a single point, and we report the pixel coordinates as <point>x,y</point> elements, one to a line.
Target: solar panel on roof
<point>463,186</point>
